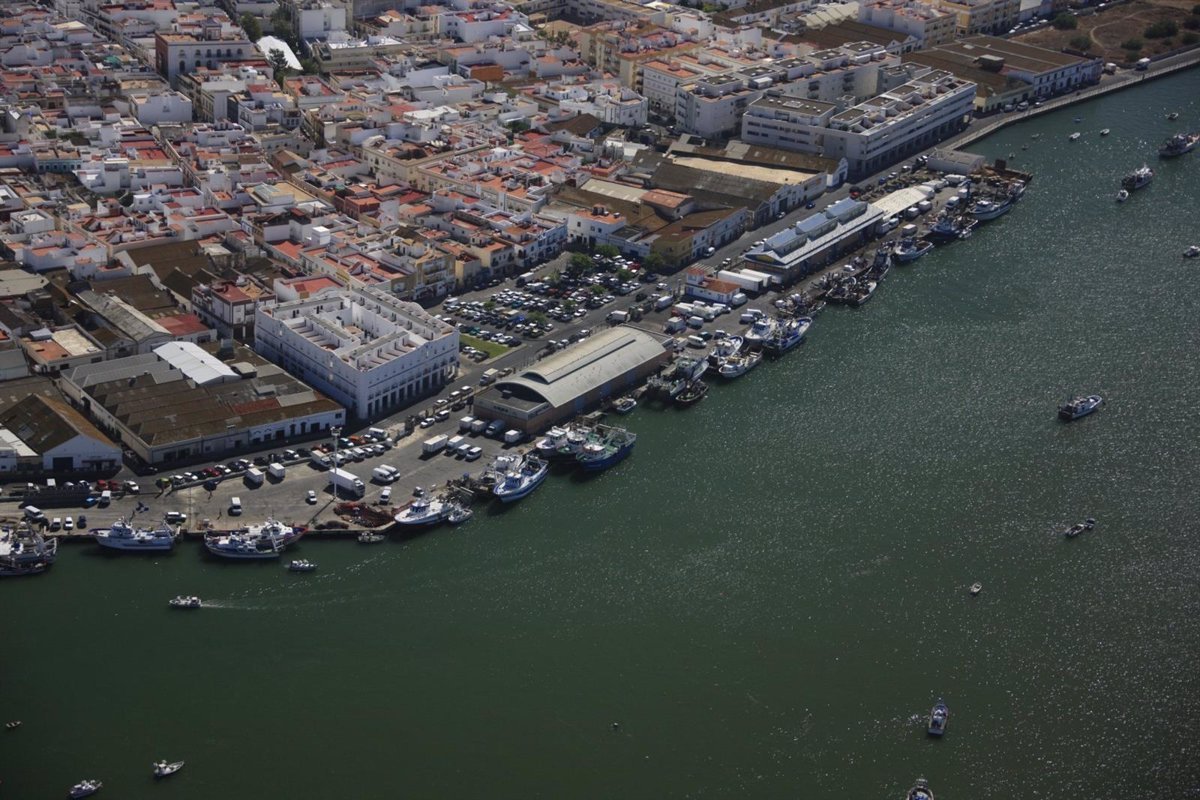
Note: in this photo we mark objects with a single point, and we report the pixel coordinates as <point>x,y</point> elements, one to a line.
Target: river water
<point>767,596</point>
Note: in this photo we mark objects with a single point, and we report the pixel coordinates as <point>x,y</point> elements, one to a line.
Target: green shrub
<point>1163,29</point>
<point>1080,43</point>
<point>1065,22</point>
<point>1192,23</point>
<point>1190,38</point>
<point>1132,45</point>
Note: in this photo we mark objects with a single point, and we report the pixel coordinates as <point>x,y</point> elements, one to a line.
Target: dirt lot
<point>1109,27</point>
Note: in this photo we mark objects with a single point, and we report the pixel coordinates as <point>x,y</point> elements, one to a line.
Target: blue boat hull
<point>604,463</point>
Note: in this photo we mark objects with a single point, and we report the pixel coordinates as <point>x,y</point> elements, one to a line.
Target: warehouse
<point>568,383</point>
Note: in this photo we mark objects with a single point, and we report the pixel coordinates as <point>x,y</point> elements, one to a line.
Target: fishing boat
<point>1080,527</point>
<point>1122,195</point>
<point>422,511</point>
<point>947,228</point>
<point>1192,251</point>
<point>762,329</point>
<point>123,536</point>
<point>12,726</point>
<point>301,565</point>
<point>1137,179</point>
<point>623,405</point>
<point>265,540</point>
<point>370,537</point>
<point>693,393</point>
<point>521,480</point>
<point>726,347</point>
<point>184,601</point>
<point>1077,407</point>
<point>861,292</point>
<point>938,717</point>
<point>1074,137</point>
<point>162,769</point>
<point>986,209</point>
<point>1174,115</point>
<point>739,365</point>
<point>790,334</point>
<point>975,589</point>
<point>24,551</point>
<point>919,791</point>
<point>85,788</point>
<point>690,368</point>
<point>610,446</point>
<point>459,514</point>
<point>907,250</point>
<point>1178,145</point>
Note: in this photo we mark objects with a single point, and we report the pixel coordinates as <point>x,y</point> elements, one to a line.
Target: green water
<point>764,595</point>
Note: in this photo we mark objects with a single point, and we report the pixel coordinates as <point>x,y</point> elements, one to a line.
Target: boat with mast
<point>1179,144</point>
<point>607,447</point>
<point>789,334</point>
<point>422,511</point>
<point>123,535</point>
<point>24,551</point>
<point>521,479</point>
<point>738,366</point>
<point>265,540</point>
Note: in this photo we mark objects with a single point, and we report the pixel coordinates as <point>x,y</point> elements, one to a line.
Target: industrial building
<point>568,383</point>
<point>817,239</point>
<point>186,401</point>
<point>41,435</point>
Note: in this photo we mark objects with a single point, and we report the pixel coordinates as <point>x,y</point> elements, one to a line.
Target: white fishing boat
<point>85,788</point>
<point>459,514</point>
<point>519,481</point>
<point>763,329</point>
<point>422,511</point>
<point>162,768</point>
<point>1074,137</point>
<point>184,601</point>
<point>624,405</point>
<point>301,565</point>
<point>738,366</point>
<point>121,535</point>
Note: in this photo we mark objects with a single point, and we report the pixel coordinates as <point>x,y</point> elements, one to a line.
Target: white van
<point>34,514</point>
<point>235,506</point>
<point>696,341</point>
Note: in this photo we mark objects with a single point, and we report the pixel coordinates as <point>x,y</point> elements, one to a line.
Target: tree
<point>309,66</point>
<point>624,275</point>
<point>1132,45</point>
<point>1196,9</point>
<point>597,290</point>
<point>1066,21</point>
<point>279,64</point>
<point>568,306</point>
<point>537,317</point>
<point>607,251</point>
<point>1081,43</point>
<point>251,27</point>
<point>1163,29</point>
<point>1190,38</point>
<point>281,25</point>
<point>653,262</point>
<point>579,264</point>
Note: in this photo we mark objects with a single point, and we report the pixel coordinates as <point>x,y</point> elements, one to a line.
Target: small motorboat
<point>162,769</point>
<point>301,565</point>
<point>920,791</point>
<point>1078,407</point>
<point>1192,251</point>
<point>1122,195</point>
<point>190,601</point>
<point>459,514</point>
<point>368,537</point>
<point>975,589</point>
<point>16,723</point>
<point>85,788</point>
<point>624,405</point>
<point>1105,132</point>
<point>1074,137</point>
<point>1079,527</point>
<point>1174,115</point>
<point>1078,120</point>
<point>938,717</point>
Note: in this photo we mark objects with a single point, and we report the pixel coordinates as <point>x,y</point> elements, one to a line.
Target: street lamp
<point>336,431</point>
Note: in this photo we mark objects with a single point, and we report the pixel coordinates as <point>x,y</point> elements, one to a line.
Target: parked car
<point>311,497</point>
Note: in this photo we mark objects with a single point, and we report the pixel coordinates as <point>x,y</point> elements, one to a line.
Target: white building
<point>871,135</point>
<point>363,347</point>
<point>165,107</point>
<point>712,106</point>
<point>316,20</point>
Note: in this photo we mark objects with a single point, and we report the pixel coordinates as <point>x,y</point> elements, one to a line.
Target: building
<point>982,16</point>
<point>178,54</point>
<point>362,346</point>
<point>871,135</point>
<point>712,106</point>
<point>605,365</point>
<point>928,24</point>
<point>1008,71</point>
<point>814,241</point>
<point>186,401</point>
<point>229,306</point>
<point>43,435</point>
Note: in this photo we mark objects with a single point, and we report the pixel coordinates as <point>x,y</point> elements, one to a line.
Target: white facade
<point>871,135</point>
<point>363,347</point>
<point>713,106</point>
<point>318,20</point>
<point>159,108</point>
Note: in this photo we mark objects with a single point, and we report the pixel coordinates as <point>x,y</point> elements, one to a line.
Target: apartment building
<point>929,24</point>
<point>178,54</point>
<point>870,135</point>
<point>363,347</point>
<point>981,16</point>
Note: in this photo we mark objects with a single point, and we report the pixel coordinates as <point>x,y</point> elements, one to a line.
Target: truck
<point>674,325</point>
<point>618,316</point>
<point>435,444</point>
<point>320,461</point>
<point>495,428</point>
<point>662,302</point>
<point>455,443</point>
<point>347,482</point>
<point>682,310</point>
<point>276,470</point>
<point>1110,68</point>
<point>478,426</point>
<point>766,278</point>
<point>1142,64</point>
<point>254,476</point>
<point>743,281</point>
<point>513,436</point>
<point>489,377</point>
<point>738,299</point>
<point>385,474</point>
<point>464,424</point>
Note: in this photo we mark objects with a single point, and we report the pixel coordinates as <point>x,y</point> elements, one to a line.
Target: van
<point>34,514</point>
<point>673,325</point>
<point>235,506</point>
<point>495,429</point>
<point>952,203</point>
<point>696,341</point>
<point>455,442</point>
<point>1142,64</point>
<point>908,231</point>
<point>695,322</point>
<point>106,497</point>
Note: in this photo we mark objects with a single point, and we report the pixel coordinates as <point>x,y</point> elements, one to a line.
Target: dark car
<point>810,204</point>
<point>211,485</point>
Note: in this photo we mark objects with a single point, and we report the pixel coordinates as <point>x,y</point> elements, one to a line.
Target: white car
<point>311,497</point>
<point>176,517</point>
<point>386,495</point>
<point>68,523</point>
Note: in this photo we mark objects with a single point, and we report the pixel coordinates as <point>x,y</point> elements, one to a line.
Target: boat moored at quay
<point>908,250</point>
<point>24,551</point>
<point>122,535</point>
<point>985,208</point>
<point>266,540</point>
<point>520,478</point>
<point>422,511</point>
<point>607,447</point>
<point>789,334</point>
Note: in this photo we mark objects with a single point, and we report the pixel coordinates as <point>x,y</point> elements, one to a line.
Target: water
<point>767,596</point>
